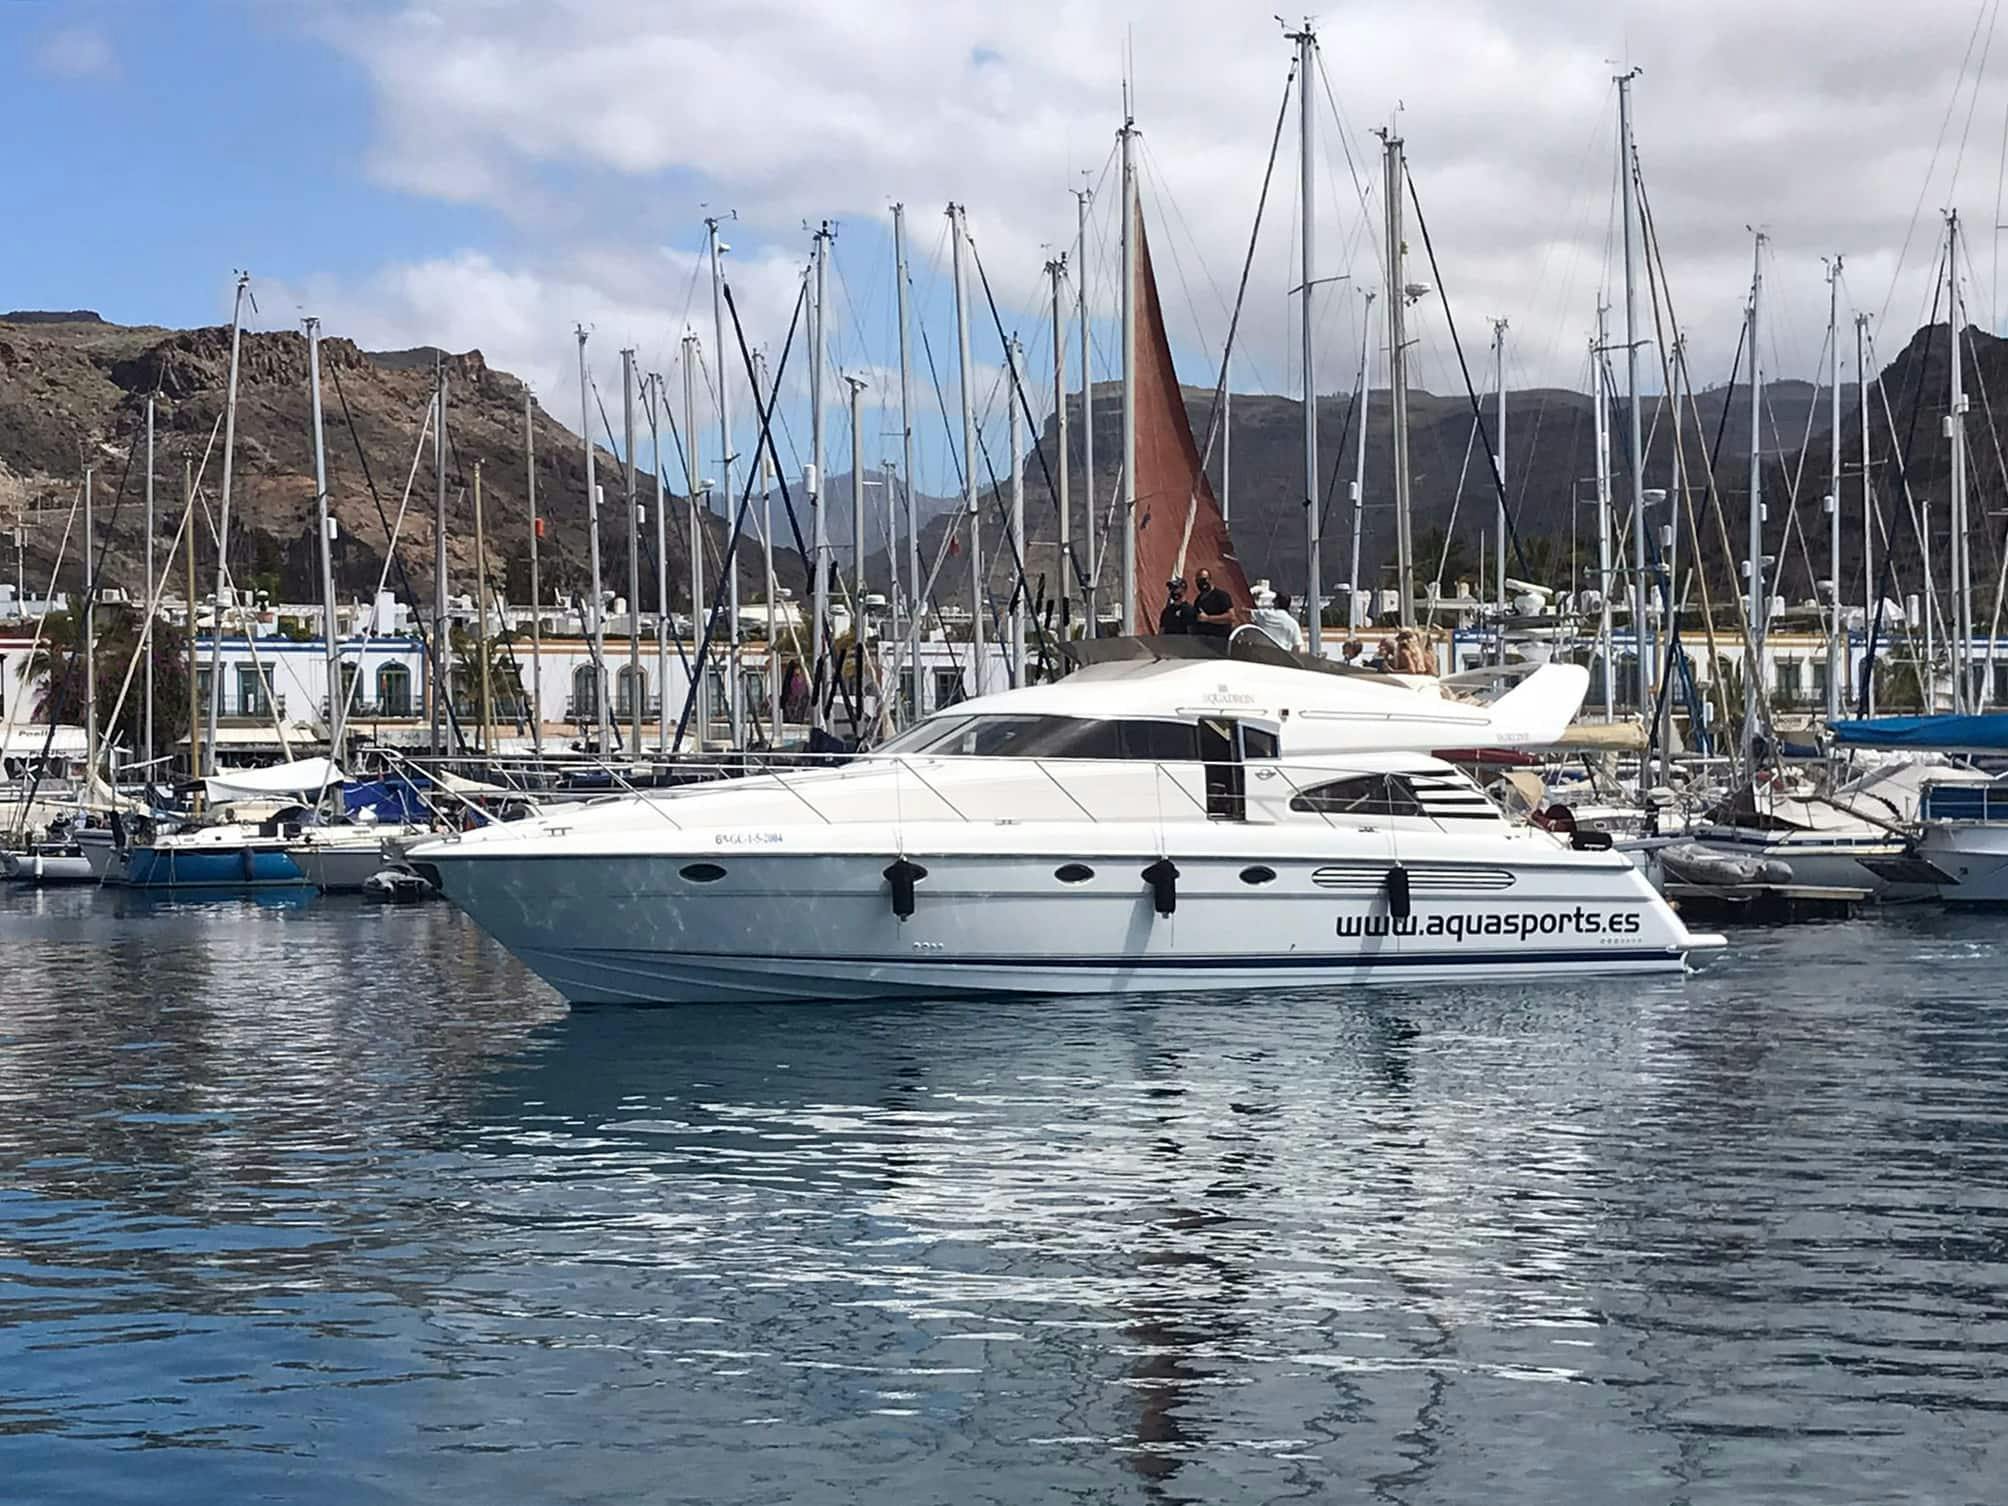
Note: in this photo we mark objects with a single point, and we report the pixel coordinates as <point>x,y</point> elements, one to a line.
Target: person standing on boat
<point>1176,618</point>
<point>1212,608</point>
<point>1272,615</point>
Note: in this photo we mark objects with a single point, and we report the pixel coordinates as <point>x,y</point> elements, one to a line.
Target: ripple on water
<point>308,1188</point>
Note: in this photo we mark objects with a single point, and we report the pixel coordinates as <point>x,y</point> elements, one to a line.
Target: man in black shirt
<point>1212,609</point>
<point>1177,614</point>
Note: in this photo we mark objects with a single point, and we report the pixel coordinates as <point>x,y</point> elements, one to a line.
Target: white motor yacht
<point>1147,825</point>
<point>1962,832</point>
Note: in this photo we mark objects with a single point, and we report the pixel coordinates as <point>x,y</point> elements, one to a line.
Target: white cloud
<point>600,127</point>
<point>77,52</point>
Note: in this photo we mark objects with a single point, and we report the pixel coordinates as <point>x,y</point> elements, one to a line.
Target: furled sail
<point>1179,530</point>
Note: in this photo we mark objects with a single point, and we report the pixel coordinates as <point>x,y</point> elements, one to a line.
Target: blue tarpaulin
<point>1979,734</point>
<point>390,799</point>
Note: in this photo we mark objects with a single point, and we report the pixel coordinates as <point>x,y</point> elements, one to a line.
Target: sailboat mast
<point>1363,386</point>
<point>1397,346</point>
<point>1605,576</point>
<point>1753,679</point>
<point>481,615</point>
<point>325,520</point>
<point>1128,494</point>
<point>195,742</point>
<point>725,458</point>
<point>536,578</point>
<point>860,628</point>
<point>1959,623</point>
<point>90,640</point>
<point>1499,471</point>
<point>637,696</point>
<point>913,581</point>
<point>772,581</point>
<point>1868,501</point>
<point>960,227</point>
<point>1670,549</point>
<point>593,623</point>
<point>819,566</point>
<point>656,397</point>
<point>1057,270</point>
<point>1015,354</point>
<point>1634,448</point>
<point>1307,146</point>
<point>1092,605</point>
<point>442,636</point>
<point>1837,640</point>
<point>223,530</point>
<point>146,627</point>
<point>692,487</point>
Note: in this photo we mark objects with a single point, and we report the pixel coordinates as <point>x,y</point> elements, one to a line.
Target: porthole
<point>1258,874</point>
<point>1073,873</point>
<point>702,873</point>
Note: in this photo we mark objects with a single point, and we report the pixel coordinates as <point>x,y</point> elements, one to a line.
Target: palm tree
<point>59,665</point>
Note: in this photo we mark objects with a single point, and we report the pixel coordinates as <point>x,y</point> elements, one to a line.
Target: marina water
<point>306,1201</point>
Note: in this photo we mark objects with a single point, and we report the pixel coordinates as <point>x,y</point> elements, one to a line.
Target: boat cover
<point>1943,733</point>
<point>304,776</point>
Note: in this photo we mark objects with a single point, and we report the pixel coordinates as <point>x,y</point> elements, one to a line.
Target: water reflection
<point>330,1182</point>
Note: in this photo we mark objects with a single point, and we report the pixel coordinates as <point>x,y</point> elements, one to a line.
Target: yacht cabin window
<point>1146,739</point>
<point>1361,795</point>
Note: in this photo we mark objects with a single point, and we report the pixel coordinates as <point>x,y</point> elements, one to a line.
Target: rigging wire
<point>1924,182</point>
<point>1471,392</point>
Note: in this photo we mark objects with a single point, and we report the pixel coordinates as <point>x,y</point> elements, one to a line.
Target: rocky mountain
<point>1550,475</point>
<point>73,391</point>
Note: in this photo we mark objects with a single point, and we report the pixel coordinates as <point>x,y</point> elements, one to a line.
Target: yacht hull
<point>100,850</point>
<point>46,868</point>
<point>615,929</point>
<point>1975,856</point>
<point>338,868</point>
<point>638,977</point>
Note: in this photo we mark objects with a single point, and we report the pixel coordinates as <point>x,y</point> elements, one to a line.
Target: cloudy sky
<point>490,173</point>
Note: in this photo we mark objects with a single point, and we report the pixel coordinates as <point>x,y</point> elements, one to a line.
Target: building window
<point>348,692</point>
<point>393,684</point>
<point>202,684</point>
<point>753,694</point>
<point>254,692</point>
<point>1820,681</point>
<point>1786,682</point>
<point>585,693</point>
<point>629,684</point>
<point>947,687</point>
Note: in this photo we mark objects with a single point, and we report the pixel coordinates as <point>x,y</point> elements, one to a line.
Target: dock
<point>1763,904</point>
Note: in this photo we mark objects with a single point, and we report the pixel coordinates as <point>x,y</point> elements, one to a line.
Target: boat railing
<point>1179,787</point>
<point>1964,803</point>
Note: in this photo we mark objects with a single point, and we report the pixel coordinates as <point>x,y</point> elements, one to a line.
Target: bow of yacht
<point>1148,825</point>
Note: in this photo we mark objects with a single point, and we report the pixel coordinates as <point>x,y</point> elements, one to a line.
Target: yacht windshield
<point>925,734</point>
<point>1047,737</point>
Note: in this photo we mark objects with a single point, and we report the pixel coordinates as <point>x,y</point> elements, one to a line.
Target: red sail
<point>1179,530</point>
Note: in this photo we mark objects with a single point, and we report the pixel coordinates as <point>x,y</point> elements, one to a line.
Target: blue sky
<point>177,142</point>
